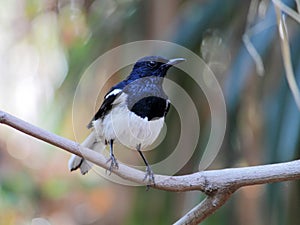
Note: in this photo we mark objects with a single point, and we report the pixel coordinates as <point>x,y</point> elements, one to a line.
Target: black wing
<point>105,107</point>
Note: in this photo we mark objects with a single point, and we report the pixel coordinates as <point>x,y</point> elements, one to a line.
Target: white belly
<point>127,128</point>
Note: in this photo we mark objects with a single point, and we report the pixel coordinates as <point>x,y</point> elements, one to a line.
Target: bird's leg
<point>112,159</point>
<point>149,173</point>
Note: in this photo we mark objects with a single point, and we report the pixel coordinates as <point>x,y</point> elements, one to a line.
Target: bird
<point>132,114</point>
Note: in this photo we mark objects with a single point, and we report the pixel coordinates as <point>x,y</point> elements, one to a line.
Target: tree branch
<point>201,211</point>
<point>218,185</point>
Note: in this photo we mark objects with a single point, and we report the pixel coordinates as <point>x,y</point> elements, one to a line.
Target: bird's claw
<point>113,164</point>
<point>149,175</point>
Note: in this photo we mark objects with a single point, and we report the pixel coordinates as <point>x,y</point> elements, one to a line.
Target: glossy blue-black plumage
<point>149,66</point>
<point>140,95</point>
<point>143,86</point>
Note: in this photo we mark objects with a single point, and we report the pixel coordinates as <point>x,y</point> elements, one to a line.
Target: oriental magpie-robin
<point>132,113</point>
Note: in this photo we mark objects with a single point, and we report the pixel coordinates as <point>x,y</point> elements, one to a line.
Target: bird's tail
<point>91,142</point>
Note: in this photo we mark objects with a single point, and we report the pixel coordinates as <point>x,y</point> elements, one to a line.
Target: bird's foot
<point>149,176</point>
<point>113,164</point>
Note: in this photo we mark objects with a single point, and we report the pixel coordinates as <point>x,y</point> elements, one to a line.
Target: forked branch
<point>218,185</point>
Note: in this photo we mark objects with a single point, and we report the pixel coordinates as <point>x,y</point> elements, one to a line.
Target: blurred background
<point>45,47</point>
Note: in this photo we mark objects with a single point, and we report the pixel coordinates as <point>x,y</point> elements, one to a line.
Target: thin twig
<point>254,54</point>
<point>287,10</point>
<point>298,5</point>
<point>286,54</point>
<point>249,32</point>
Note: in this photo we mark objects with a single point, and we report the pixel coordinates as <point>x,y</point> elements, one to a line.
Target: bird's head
<point>155,66</point>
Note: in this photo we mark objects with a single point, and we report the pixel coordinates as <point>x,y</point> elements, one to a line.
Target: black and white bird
<point>132,113</point>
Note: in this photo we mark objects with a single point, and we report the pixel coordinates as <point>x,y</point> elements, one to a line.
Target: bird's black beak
<point>173,62</point>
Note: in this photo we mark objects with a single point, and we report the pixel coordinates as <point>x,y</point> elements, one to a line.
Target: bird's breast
<point>128,128</point>
<point>150,107</point>
<point>146,98</point>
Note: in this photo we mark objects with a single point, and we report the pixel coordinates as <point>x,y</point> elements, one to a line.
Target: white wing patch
<point>114,92</point>
<point>168,103</point>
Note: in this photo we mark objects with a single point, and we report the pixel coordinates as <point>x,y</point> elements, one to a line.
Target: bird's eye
<point>152,64</point>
